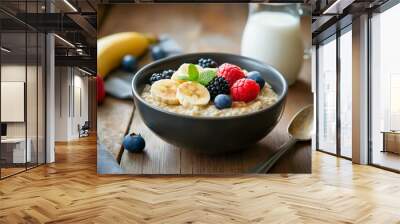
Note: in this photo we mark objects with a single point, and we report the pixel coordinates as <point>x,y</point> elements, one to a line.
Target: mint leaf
<point>206,76</point>
<point>193,72</point>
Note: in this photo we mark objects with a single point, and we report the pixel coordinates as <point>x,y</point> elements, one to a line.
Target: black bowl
<point>210,134</point>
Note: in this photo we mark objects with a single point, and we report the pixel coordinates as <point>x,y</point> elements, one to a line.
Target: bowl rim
<point>170,58</point>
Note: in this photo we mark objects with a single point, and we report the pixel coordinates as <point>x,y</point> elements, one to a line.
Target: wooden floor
<point>386,159</point>
<point>70,191</point>
<point>10,171</point>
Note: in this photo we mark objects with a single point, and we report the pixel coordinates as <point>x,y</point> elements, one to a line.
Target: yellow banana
<point>164,90</point>
<point>192,93</point>
<point>111,49</point>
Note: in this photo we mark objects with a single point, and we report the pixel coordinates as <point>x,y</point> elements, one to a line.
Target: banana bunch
<point>111,49</point>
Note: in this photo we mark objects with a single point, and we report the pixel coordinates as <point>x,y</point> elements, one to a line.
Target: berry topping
<point>230,72</point>
<point>166,74</point>
<point>245,90</point>
<point>256,76</point>
<point>217,86</point>
<point>206,76</point>
<point>222,101</point>
<point>207,63</point>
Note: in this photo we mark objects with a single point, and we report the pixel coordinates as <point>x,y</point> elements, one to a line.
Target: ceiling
<point>72,20</point>
<point>76,21</point>
<point>332,15</point>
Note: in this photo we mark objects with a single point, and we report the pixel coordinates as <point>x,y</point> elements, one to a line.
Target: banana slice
<point>182,72</point>
<point>164,90</point>
<point>192,94</point>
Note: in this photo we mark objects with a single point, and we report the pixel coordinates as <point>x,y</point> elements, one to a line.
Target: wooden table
<point>206,27</point>
<point>15,152</point>
<point>391,141</point>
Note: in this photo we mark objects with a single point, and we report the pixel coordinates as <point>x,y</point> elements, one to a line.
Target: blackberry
<point>207,63</point>
<point>216,86</point>
<point>166,74</point>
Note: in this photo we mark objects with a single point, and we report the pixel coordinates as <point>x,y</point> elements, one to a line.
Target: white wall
<point>62,81</point>
<point>71,94</point>
<point>33,126</point>
<point>14,73</point>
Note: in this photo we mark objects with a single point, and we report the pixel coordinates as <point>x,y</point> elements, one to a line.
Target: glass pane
<point>327,97</point>
<point>32,88</point>
<point>385,84</point>
<point>345,94</point>
<point>41,98</point>
<point>13,86</point>
<point>31,98</point>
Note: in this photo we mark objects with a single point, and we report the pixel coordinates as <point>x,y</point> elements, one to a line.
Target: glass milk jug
<point>273,35</point>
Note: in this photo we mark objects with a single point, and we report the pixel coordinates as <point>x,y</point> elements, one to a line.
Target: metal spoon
<point>300,129</point>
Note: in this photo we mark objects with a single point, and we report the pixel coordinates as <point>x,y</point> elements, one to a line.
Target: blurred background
<point>196,27</point>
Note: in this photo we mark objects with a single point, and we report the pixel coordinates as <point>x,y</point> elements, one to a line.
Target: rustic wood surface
<point>203,28</point>
<point>112,120</point>
<point>70,191</point>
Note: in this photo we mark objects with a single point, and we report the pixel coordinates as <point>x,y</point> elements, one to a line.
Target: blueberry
<point>134,143</point>
<point>129,63</point>
<point>222,101</point>
<point>256,76</point>
<point>157,53</point>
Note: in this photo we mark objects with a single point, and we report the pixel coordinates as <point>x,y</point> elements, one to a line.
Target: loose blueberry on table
<point>158,53</point>
<point>134,143</point>
<point>129,63</point>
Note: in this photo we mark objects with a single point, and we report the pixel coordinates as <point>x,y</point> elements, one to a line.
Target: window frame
<point>335,36</point>
<point>380,9</point>
<point>29,29</point>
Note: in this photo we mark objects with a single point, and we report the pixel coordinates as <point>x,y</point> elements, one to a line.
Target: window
<point>334,106</point>
<point>346,94</point>
<point>385,89</point>
<point>327,97</point>
<point>22,77</point>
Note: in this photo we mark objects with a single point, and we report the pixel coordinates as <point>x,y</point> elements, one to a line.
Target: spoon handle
<point>265,166</point>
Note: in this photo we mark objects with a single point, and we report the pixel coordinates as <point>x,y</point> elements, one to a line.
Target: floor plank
<point>70,191</point>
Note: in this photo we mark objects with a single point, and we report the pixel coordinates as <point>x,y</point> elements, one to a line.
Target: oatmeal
<point>208,90</point>
<point>265,98</point>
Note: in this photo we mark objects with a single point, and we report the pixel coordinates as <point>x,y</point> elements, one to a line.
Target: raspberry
<point>230,72</point>
<point>245,90</point>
